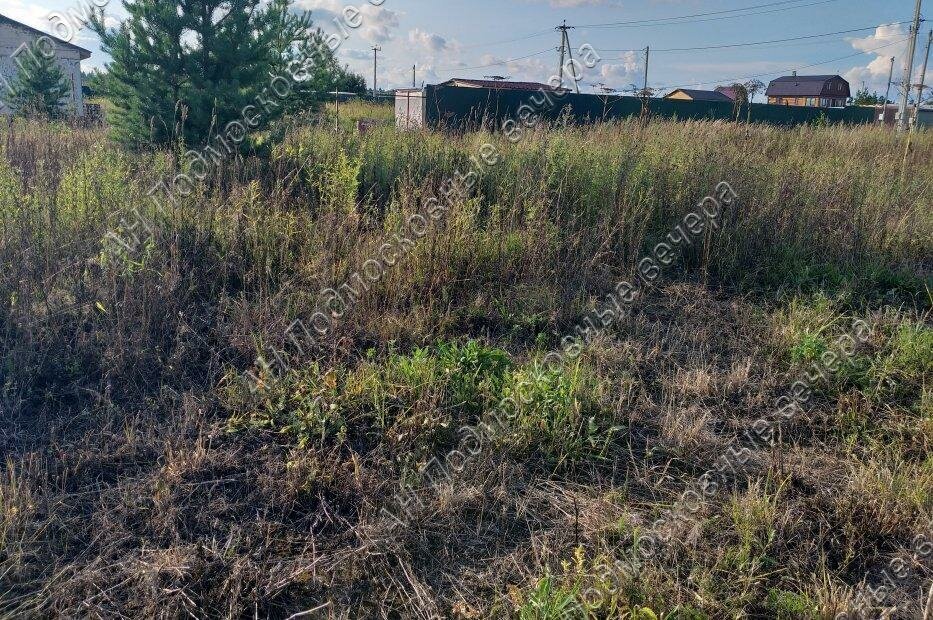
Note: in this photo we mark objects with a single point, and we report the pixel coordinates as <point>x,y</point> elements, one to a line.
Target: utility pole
<point>647,56</point>
<point>887,93</point>
<point>923,79</point>
<point>890,77</point>
<point>573,67</point>
<point>376,50</point>
<point>413,85</point>
<point>565,50</point>
<point>908,67</point>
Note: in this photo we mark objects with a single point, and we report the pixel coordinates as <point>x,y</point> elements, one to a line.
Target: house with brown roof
<point>815,91</point>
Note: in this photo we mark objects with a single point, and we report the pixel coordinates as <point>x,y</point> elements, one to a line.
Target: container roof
<point>499,84</point>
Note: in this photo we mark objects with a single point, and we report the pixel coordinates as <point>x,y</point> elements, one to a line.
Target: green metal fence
<point>467,108</point>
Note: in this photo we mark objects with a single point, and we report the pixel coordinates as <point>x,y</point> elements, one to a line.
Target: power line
<point>497,64</point>
<point>752,43</point>
<point>503,42</point>
<point>661,21</point>
<point>796,45</point>
<point>717,15</point>
<point>785,71</point>
<point>710,47</point>
<point>746,8</point>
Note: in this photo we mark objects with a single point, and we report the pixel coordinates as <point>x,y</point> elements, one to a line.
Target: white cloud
<point>28,13</point>
<point>560,4</point>
<point>376,23</point>
<point>525,70</point>
<point>429,41</point>
<point>352,54</point>
<point>67,24</point>
<point>621,74</point>
<point>400,77</point>
<point>874,74</point>
<point>322,11</point>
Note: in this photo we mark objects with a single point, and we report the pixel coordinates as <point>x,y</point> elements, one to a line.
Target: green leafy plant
<point>547,601</point>
<point>787,605</point>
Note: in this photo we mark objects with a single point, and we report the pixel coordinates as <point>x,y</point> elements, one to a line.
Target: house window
<point>824,102</point>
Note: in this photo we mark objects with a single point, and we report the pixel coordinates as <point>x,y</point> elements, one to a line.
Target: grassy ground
<point>350,112</point>
<point>143,477</point>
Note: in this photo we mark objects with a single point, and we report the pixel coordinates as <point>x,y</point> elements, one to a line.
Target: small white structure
<point>17,38</point>
<point>409,108</point>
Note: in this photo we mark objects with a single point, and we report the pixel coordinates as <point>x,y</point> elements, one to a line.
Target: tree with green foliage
<point>40,85</point>
<point>350,82</point>
<point>741,98</point>
<point>182,71</point>
<point>752,88</point>
<point>868,98</point>
<point>315,69</point>
<point>91,83</point>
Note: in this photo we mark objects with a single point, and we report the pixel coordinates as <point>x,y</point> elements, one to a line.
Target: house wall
<point>12,39</point>
<point>813,102</point>
<point>680,95</point>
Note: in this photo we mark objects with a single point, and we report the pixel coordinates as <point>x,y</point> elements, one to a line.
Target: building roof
<point>500,84</point>
<point>728,91</point>
<point>701,95</point>
<point>85,54</point>
<point>807,86</point>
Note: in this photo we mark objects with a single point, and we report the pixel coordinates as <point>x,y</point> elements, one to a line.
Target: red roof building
<point>728,91</point>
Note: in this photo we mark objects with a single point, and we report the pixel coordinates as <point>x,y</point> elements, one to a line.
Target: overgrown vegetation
<point>144,477</point>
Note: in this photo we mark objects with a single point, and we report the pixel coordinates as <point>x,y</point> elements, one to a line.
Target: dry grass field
<point>146,475</point>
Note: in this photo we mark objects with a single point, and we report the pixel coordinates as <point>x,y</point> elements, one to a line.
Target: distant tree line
<point>865,97</point>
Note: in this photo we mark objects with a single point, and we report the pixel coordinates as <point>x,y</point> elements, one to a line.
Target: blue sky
<point>447,39</point>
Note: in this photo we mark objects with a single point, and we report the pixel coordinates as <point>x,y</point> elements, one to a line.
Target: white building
<point>16,38</point>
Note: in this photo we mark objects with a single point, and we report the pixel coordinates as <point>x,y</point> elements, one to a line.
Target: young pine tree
<point>183,70</point>
<point>40,85</point>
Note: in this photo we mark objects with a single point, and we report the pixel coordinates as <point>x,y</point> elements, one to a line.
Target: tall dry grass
<point>127,491</point>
